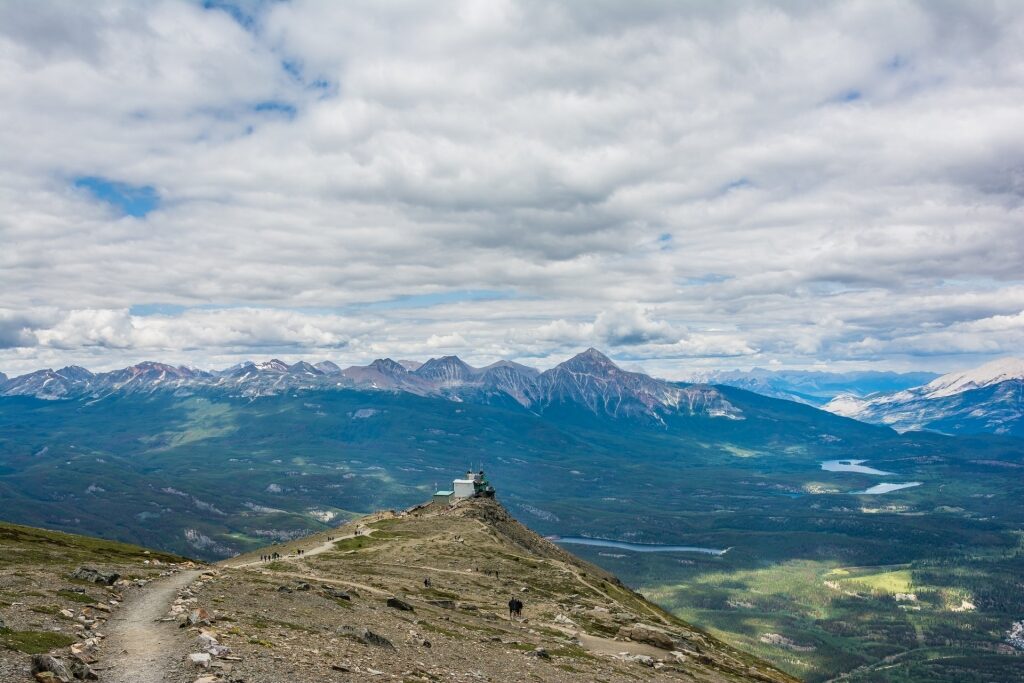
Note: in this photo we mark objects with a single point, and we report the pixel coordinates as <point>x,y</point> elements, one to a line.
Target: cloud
<point>630,324</point>
<point>679,183</point>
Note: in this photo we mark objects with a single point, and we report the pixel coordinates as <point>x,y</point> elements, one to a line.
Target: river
<point>637,547</point>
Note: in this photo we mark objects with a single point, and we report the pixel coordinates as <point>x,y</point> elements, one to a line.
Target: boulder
<point>540,653</point>
<point>645,634</point>
<point>46,664</point>
<point>302,586</point>
<point>205,640</point>
<point>399,604</point>
<point>219,650</point>
<point>366,637</point>
<point>336,594</point>
<point>200,659</point>
<point>95,576</point>
<point>643,660</point>
<point>83,671</point>
<point>198,616</point>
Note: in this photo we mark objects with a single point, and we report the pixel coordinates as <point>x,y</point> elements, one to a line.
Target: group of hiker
<point>277,556</point>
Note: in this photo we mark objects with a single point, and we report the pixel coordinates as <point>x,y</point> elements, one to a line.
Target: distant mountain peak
<point>590,360</point>
<point>448,370</point>
<point>327,367</point>
<point>985,375</point>
<point>273,365</point>
<point>388,366</point>
<point>75,371</point>
<point>304,368</point>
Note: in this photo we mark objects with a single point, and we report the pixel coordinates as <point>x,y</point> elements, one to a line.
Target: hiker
<point>511,608</point>
<point>518,607</point>
<point>426,582</point>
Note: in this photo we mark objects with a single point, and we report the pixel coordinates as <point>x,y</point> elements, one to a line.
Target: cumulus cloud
<point>710,183</point>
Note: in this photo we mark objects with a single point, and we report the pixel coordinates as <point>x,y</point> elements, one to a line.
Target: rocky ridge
<point>419,595</point>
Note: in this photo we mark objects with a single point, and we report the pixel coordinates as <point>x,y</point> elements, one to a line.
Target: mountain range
<point>985,400</point>
<point>589,380</point>
<point>813,387</point>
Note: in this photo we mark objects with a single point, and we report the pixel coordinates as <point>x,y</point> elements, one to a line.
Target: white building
<point>464,488</point>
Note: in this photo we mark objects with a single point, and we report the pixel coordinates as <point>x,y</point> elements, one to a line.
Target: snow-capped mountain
<point>986,399</point>
<point>589,381</point>
<point>813,387</point>
<point>50,384</point>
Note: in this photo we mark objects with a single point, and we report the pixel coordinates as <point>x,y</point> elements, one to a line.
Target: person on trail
<point>511,608</point>
<point>519,607</point>
<point>426,582</point>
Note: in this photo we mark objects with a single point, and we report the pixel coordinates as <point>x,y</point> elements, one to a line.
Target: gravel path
<point>139,645</point>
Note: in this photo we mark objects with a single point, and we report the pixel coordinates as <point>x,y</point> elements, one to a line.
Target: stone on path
<point>200,659</point>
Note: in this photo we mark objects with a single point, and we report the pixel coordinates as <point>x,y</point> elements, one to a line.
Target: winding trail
<point>307,552</point>
<point>139,644</point>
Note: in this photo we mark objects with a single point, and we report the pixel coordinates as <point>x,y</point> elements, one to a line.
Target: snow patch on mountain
<point>986,399</point>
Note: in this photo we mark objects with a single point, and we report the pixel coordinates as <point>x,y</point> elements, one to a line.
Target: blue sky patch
<point>130,200</point>
<point>737,184</point>
<point>706,279</point>
<point>438,298</point>
<point>157,309</point>
<point>234,10</point>
<point>275,107</point>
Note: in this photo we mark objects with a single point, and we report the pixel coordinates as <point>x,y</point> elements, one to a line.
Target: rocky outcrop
<point>95,576</point>
<point>366,637</point>
<point>640,633</point>
<point>399,604</point>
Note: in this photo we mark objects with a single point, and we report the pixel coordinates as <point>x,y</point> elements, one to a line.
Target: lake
<point>638,547</point>
<point>885,488</point>
<point>850,466</point>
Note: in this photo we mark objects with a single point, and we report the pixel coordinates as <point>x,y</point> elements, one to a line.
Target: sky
<point>684,185</point>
